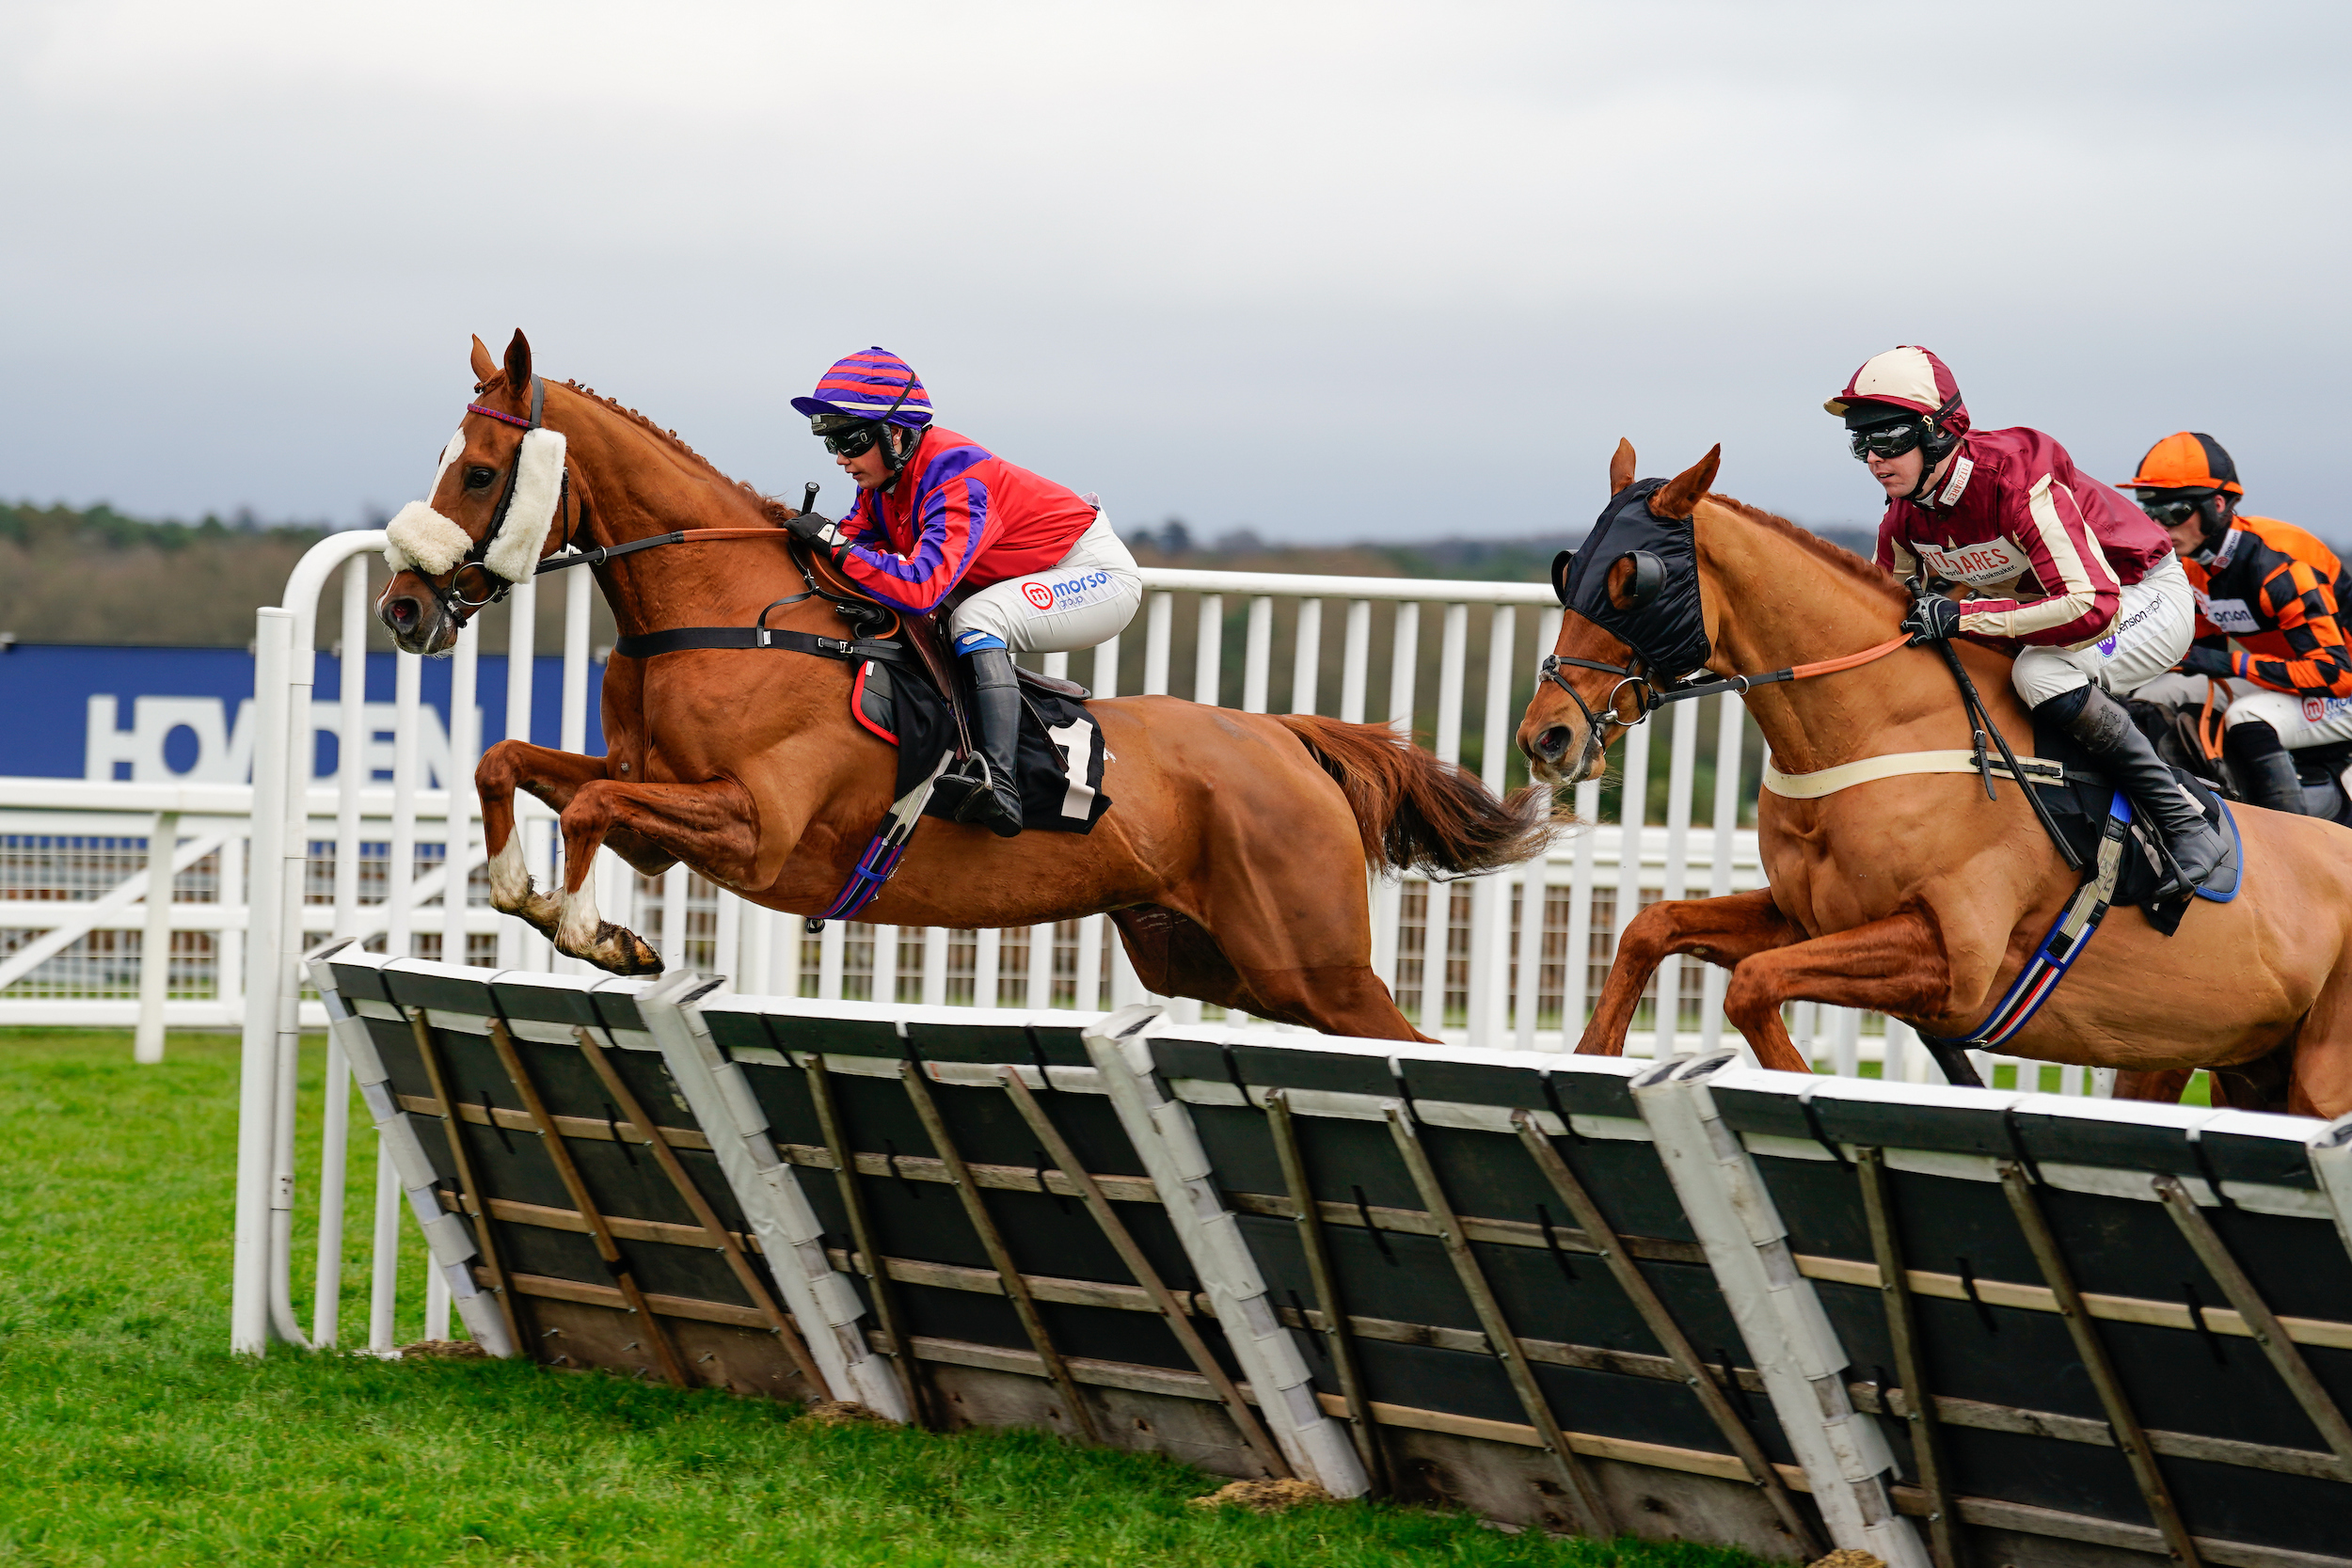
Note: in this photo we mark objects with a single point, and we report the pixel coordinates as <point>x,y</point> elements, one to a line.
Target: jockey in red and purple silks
<point>1018,562</point>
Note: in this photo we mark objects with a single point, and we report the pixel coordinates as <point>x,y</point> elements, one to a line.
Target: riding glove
<point>1932,619</point>
<point>819,532</point>
<point>2201,661</point>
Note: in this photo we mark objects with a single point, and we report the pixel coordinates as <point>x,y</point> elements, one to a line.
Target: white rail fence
<point>357,856</point>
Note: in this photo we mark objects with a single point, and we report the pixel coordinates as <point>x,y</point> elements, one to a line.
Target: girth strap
<point>703,639</point>
<point>1895,765</point>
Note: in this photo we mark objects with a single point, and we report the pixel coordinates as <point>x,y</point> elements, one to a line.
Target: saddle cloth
<point>1058,761</point>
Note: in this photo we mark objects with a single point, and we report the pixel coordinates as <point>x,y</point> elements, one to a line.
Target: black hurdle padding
<point>1050,1235</point>
<point>1560,1295</point>
<point>510,1162</point>
<point>2093,1162</point>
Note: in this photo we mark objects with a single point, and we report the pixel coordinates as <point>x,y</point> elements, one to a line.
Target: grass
<point>131,1436</point>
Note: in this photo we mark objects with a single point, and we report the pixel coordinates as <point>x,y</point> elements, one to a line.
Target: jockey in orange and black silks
<point>2052,564</point>
<point>2269,619</point>
<point>1019,563</point>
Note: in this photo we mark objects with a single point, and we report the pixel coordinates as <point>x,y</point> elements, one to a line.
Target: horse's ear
<point>483,366</point>
<point>518,361</point>
<point>1621,466</point>
<point>1681,494</point>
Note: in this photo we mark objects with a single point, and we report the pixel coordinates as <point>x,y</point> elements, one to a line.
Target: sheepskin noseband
<point>420,535</point>
<point>423,539</point>
<point>513,554</point>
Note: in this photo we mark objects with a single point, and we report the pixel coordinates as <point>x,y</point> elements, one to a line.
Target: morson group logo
<point>1049,598</point>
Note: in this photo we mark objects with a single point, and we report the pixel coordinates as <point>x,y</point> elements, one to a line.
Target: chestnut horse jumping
<point>1914,895</point>
<point>1229,860</point>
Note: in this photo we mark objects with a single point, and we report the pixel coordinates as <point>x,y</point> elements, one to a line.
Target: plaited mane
<point>1830,554</point>
<point>776,511</point>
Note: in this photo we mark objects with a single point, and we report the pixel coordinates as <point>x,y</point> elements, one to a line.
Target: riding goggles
<point>853,442</point>
<point>1891,439</point>
<point>2173,510</point>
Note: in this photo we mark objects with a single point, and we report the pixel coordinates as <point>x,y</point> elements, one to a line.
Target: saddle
<point>2081,806</point>
<point>1059,758</point>
<point>926,635</point>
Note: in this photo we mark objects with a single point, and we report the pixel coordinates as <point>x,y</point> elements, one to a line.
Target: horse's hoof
<point>621,951</point>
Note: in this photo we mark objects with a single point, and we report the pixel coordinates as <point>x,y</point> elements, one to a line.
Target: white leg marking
<point>510,878</point>
<point>576,929</point>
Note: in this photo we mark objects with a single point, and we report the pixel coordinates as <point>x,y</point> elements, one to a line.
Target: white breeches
<point>2299,720</point>
<point>1087,597</point>
<point>2153,626</point>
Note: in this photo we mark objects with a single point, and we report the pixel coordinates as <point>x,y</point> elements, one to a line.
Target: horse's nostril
<point>401,613</point>
<point>1553,743</point>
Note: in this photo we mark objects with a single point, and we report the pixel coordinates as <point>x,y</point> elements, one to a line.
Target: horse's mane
<point>776,511</point>
<point>1833,554</point>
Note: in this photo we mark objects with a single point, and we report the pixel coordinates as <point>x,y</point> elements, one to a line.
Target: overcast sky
<point>1329,271</point>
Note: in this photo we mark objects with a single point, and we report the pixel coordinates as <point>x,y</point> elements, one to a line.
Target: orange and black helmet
<point>2187,460</point>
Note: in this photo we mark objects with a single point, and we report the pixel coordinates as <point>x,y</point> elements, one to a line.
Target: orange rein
<point>1850,661</point>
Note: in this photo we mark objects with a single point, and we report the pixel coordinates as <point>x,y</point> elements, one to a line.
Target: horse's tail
<point>1418,813</point>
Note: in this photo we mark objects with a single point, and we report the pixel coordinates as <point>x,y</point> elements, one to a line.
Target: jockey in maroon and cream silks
<point>2046,562</point>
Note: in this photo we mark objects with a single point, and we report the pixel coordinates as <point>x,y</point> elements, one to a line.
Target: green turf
<point>130,1436</point>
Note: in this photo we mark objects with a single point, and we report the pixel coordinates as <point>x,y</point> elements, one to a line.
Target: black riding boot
<point>995,800</point>
<point>2099,724</point>
<point>2264,768</point>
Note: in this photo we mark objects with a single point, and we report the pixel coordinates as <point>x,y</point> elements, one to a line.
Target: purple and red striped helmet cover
<point>866,386</point>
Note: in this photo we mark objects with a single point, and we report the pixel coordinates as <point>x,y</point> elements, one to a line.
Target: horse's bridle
<point>453,601</point>
<point>1648,698</point>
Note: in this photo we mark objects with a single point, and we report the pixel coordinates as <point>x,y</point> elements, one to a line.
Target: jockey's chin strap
<point>1648,697</point>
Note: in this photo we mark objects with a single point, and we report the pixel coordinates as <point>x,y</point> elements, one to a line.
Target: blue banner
<point>158,715</point>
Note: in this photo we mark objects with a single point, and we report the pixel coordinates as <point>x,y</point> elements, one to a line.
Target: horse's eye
<point>478,477</point>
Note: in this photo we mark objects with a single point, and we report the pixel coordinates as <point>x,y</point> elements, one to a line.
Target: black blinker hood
<point>1666,626</point>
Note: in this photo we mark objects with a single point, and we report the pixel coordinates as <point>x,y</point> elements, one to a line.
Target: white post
<point>384,1265</point>
<point>1105,680</point>
<point>326,1284</point>
<point>1356,660</point>
<point>572,735</point>
<point>1039,993</point>
<point>885,984</point>
<point>1090,932</point>
<point>163,839</point>
<point>726,944</point>
<point>1535,902</point>
<point>1575,980</point>
<point>673,919</point>
<point>934,967</point>
<point>1257,654</point>
<point>1681,764</point>
<point>457,836</point>
<point>1306,657</point>
<point>988,946</point>
<point>1730,735</point>
<point>399,875</point>
<point>1388,893</point>
<point>831,949</point>
<point>1489,979</point>
<point>257,1089</point>
<point>351,744</point>
<point>1157,632</point>
<point>1208,656</point>
<point>1632,804</point>
<point>351,773</point>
